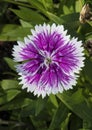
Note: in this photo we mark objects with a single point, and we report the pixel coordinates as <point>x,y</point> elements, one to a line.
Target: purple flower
<point>49,61</point>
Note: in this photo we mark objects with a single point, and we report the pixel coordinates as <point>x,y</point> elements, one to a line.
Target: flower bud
<point>85,14</point>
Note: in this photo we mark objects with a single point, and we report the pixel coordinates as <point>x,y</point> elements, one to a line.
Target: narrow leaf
<point>59,116</point>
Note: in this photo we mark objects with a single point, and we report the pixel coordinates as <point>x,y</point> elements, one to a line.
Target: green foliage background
<point>71,110</point>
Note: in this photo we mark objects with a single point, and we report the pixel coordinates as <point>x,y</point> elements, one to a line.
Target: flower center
<point>47,61</point>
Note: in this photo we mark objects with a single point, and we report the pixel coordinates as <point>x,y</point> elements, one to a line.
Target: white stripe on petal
<point>53,28</point>
<point>27,40</point>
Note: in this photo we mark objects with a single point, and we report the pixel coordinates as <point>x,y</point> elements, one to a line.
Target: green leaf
<point>38,5</point>
<point>38,123</point>
<point>40,104</point>
<point>8,96</point>
<point>11,94</point>
<point>7,27</point>
<point>13,32</point>
<point>10,63</point>
<point>85,29</point>
<point>79,4</point>
<point>48,5</point>
<point>55,18</point>
<point>25,24</point>
<point>87,69</point>
<point>59,116</point>
<point>72,27</point>
<point>21,0</point>
<point>90,23</point>
<point>18,34</point>
<point>9,84</point>
<point>19,102</point>
<point>53,100</point>
<point>4,29</point>
<point>17,2</point>
<point>88,36</point>
<point>64,125</point>
<point>66,10</point>
<point>87,125</point>
<point>28,110</point>
<point>72,17</point>
<point>29,15</point>
<point>75,123</point>
<point>71,23</point>
<point>76,102</point>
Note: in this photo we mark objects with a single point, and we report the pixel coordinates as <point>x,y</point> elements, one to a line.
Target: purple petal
<point>49,78</point>
<point>29,52</point>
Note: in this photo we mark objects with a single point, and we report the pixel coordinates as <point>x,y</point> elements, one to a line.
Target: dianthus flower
<point>49,61</point>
